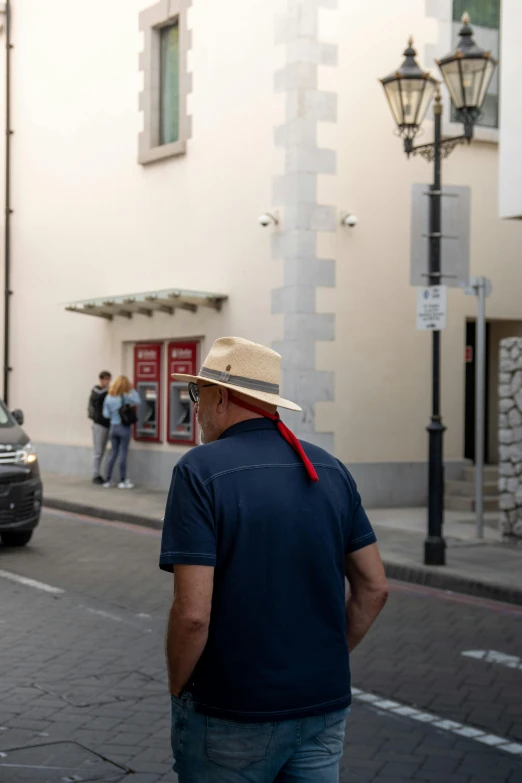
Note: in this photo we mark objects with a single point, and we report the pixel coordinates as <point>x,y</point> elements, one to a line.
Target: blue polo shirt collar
<point>250,425</point>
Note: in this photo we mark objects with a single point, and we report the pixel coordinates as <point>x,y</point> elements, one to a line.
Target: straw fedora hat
<point>245,367</point>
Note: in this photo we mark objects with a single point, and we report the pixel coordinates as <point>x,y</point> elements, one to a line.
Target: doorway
<point>470,384</point>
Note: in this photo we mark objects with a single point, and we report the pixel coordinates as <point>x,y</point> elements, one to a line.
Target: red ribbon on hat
<point>287,434</point>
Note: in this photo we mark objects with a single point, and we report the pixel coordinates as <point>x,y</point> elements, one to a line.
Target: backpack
<point>96,400</point>
<point>95,410</point>
<point>128,413</point>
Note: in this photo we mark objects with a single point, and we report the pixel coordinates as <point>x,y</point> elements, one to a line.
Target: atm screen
<point>181,415</point>
<point>147,425</point>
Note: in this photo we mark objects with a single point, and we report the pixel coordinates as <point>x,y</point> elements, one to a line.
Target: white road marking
<point>23,580</point>
<point>394,707</point>
<point>34,766</point>
<point>494,656</point>
<point>116,618</point>
<point>108,615</point>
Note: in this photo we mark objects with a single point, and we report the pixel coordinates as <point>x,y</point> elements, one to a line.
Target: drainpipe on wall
<point>7,233</point>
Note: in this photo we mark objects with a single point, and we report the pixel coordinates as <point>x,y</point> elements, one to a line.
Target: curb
<point>102,513</point>
<point>452,583</point>
<point>403,573</point>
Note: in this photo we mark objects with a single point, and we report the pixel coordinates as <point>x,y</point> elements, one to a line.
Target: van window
<point>6,419</point>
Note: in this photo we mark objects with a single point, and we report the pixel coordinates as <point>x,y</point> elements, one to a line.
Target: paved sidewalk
<point>487,568</point>
<point>138,506</point>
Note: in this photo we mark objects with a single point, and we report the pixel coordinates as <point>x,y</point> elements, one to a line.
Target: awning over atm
<point>166,301</point>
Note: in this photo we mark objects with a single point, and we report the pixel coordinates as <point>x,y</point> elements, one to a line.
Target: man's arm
<point>189,619</point>
<point>368,591</point>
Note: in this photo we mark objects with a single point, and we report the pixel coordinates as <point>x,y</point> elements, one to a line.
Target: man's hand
<point>189,619</point>
<point>368,592</point>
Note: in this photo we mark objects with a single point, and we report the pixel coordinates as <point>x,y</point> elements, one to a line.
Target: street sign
<point>454,243</point>
<point>431,308</point>
<point>474,285</point>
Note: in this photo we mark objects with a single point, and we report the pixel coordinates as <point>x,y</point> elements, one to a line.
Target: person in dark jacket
<point>100,425</point>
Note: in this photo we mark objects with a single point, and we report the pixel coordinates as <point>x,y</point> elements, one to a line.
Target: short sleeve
<point>360,531</point>
<point>189,534</point>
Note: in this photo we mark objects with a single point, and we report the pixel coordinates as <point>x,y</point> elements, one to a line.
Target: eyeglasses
<point>193,389</point>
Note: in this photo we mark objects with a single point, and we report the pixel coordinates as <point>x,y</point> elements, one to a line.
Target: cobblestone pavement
<point>82,677</point>
<point>486,567</point>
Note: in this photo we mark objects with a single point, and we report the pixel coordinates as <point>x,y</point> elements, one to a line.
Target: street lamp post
<point>467,73</point>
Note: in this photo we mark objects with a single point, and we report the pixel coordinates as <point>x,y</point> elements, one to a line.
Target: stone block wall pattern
<point>295,194</point>
<point>510,437</point>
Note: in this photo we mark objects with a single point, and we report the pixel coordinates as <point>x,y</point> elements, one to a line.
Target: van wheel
<point>16,539</point>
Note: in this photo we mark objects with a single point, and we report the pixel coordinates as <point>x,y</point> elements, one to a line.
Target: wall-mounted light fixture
<point>348,219</point>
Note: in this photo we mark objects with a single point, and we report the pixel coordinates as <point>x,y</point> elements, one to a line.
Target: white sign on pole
<point>431,308</point>
<point>454,242</point>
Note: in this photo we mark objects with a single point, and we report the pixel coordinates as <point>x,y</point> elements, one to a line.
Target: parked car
<point>21,490</point>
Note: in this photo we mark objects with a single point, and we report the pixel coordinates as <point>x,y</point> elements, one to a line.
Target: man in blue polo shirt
<point>260,531</point>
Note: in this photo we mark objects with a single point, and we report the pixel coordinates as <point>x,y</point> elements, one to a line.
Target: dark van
<point>20,483</point>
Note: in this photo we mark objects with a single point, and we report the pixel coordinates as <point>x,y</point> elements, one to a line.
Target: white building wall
<point>510,167</point>
<point>90,222</point>
<point>387,359</point>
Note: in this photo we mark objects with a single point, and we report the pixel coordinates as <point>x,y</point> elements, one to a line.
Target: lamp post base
<point>434,551</point>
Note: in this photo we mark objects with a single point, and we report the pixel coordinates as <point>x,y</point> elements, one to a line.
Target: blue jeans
<point>211,750</point>
<point>120,439</point>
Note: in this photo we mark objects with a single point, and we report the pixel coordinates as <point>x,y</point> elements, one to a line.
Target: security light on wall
<point>268,219</point>
<point>348,219</point>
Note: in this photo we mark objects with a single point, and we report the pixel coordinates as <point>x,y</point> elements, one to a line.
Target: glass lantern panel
<point>412,91</point>
<point>426,100</point>
<point>394,99</point>
<point>484,89</point>
<point>451,75</point>
<point>472,81</point>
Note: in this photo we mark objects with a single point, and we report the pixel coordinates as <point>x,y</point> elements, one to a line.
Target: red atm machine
<point>147,381</point>
<point>182,358</point>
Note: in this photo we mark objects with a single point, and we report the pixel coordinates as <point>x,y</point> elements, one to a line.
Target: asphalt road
<point>82,677</point>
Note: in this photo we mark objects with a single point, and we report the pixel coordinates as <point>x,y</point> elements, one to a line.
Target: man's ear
<point>222,403</point>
